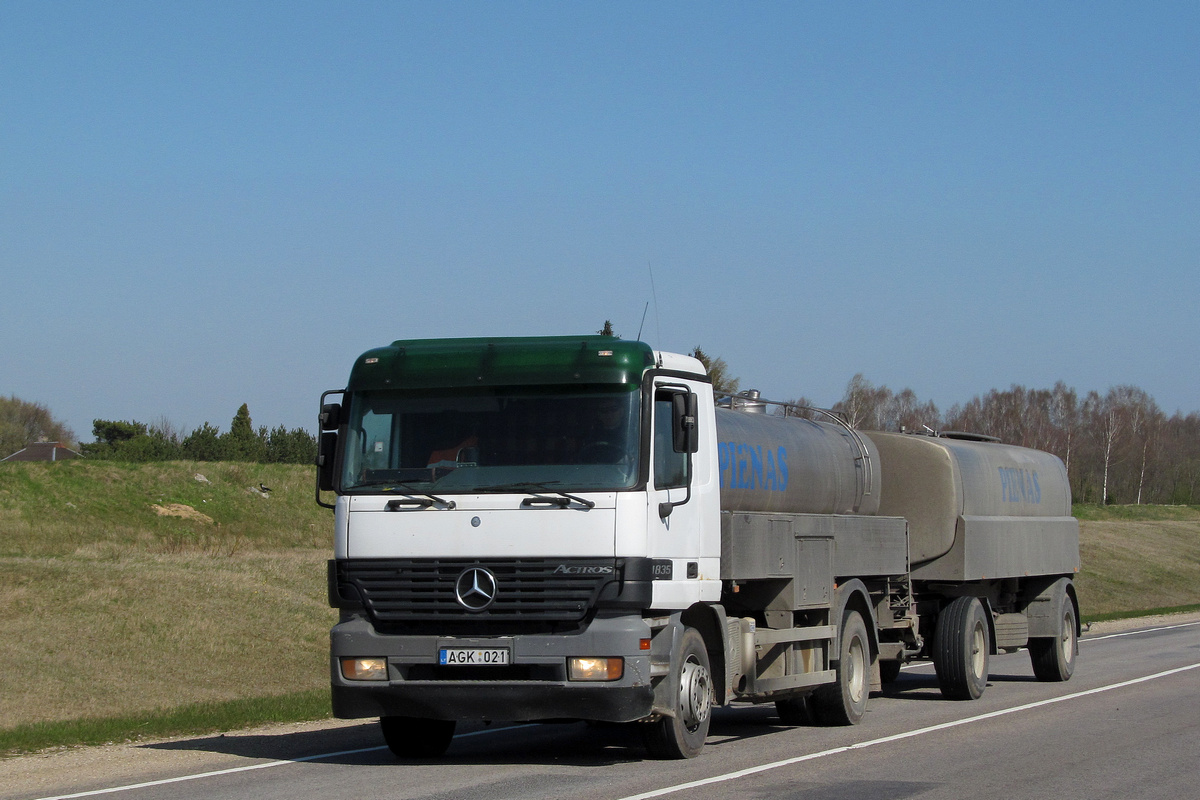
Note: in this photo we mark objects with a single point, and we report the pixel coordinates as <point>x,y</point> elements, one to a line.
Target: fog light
<point>364,669</point>
<point>595,669</point>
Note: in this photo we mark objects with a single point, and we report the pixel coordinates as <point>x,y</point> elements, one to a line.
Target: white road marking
<point>742,773</point>
<point>265,765</point>
<point>1136,632</point>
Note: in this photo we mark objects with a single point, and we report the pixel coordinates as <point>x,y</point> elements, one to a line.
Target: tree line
<point>136,441</point>
<point>1118,447</point>
<point>22,423</point>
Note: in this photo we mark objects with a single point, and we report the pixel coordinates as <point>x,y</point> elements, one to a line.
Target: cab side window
<point>670,468</point>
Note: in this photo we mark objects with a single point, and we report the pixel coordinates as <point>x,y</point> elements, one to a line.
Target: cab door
<point>673,516</point>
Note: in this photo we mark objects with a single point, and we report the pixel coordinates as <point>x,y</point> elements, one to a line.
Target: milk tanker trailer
<point>576,528</point>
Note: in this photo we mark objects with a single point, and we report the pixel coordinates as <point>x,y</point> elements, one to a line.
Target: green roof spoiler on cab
<point>438,363</point>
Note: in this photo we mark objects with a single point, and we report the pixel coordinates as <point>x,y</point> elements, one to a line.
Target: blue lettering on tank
<point>756,467</point>
<point>1019,486</point>
<point>746,466</point>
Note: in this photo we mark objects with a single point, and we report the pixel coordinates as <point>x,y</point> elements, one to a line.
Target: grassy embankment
<point>117,621</point>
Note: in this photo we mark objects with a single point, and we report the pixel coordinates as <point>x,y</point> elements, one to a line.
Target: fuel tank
<point>792,465</point>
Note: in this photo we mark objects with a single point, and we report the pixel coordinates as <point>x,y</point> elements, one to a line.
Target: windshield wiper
<point>562,501</point>
<point>429,498</point>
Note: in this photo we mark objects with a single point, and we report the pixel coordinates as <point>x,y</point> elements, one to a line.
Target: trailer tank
<point>978,509</point>
<point>975,510</point>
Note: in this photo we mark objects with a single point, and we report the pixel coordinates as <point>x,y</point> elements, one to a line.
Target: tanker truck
<point>579,528</point>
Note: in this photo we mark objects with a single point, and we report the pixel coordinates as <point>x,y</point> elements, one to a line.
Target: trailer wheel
<point>412,737</point>
<point>845,701</point>
<point>1054,657</point>
<point>683,735</point>
<point>960,649</point>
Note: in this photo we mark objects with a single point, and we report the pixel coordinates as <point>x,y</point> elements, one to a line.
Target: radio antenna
<point>654,294</point>
<point>643,322</point>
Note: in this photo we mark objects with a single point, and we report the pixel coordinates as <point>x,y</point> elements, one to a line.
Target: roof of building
<point>43,451</point>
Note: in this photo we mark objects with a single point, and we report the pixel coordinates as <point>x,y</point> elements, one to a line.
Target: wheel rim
<point>1067,640</point>
<point>695,694</point>
<point>856,673</point>
<point>978,650</point>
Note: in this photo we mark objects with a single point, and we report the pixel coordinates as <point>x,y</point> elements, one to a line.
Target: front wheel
<point>1054,658</point>
<point>412,737</point>
<point>845,701</point>
<point>961,646</point>
<point>683,735</point>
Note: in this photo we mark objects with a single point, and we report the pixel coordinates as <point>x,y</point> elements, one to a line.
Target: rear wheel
<point>845,701</point>
<point>683,735</point>
<point>961,645</point>
<point>412,737</point>
<point>1054,658</point>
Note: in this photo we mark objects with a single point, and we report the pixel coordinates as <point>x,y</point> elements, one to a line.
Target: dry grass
<point>1133,565</point>
<point>85,637</point>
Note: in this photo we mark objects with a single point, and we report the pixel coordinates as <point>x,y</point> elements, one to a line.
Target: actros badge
<point>475,588</point>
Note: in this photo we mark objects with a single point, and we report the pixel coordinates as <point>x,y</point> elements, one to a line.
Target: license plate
<point>475,657</point>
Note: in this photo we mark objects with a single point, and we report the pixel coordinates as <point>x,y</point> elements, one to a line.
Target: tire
<point>796,710</point>
<point>412,737</point>
<point>1054,658</point>
<point>889,671</point>
<point>683,735</point>
<point>961,646</point>
<point>845,701</point>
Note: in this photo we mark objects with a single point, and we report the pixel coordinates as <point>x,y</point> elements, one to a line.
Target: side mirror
<point>684,425</point>
<point>331,416</point>
<point>326,450</point>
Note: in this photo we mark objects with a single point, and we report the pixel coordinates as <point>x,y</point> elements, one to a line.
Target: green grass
<point>118,623</point>
<point>1115,615</point>
<point>189,720</point>
<point>55,509</point>
<point>1140,513</point>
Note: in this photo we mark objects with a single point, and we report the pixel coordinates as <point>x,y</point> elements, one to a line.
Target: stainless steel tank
<point>978,509</point>
<point>792,465</point>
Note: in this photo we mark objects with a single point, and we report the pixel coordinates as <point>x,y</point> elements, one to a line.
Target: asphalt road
<point>1126,726</point>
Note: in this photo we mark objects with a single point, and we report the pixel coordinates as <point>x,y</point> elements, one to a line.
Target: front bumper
<point>534,686</point>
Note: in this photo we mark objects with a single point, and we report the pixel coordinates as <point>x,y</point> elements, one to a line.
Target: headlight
<point>595,669</point>
<point>364,669</point>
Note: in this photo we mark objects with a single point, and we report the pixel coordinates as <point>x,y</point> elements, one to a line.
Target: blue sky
<point>210,204</point>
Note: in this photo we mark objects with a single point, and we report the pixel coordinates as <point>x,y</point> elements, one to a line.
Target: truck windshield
<point>492,439</point>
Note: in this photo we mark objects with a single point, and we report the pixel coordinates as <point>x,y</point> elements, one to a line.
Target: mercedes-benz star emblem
<point>475,588</point>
